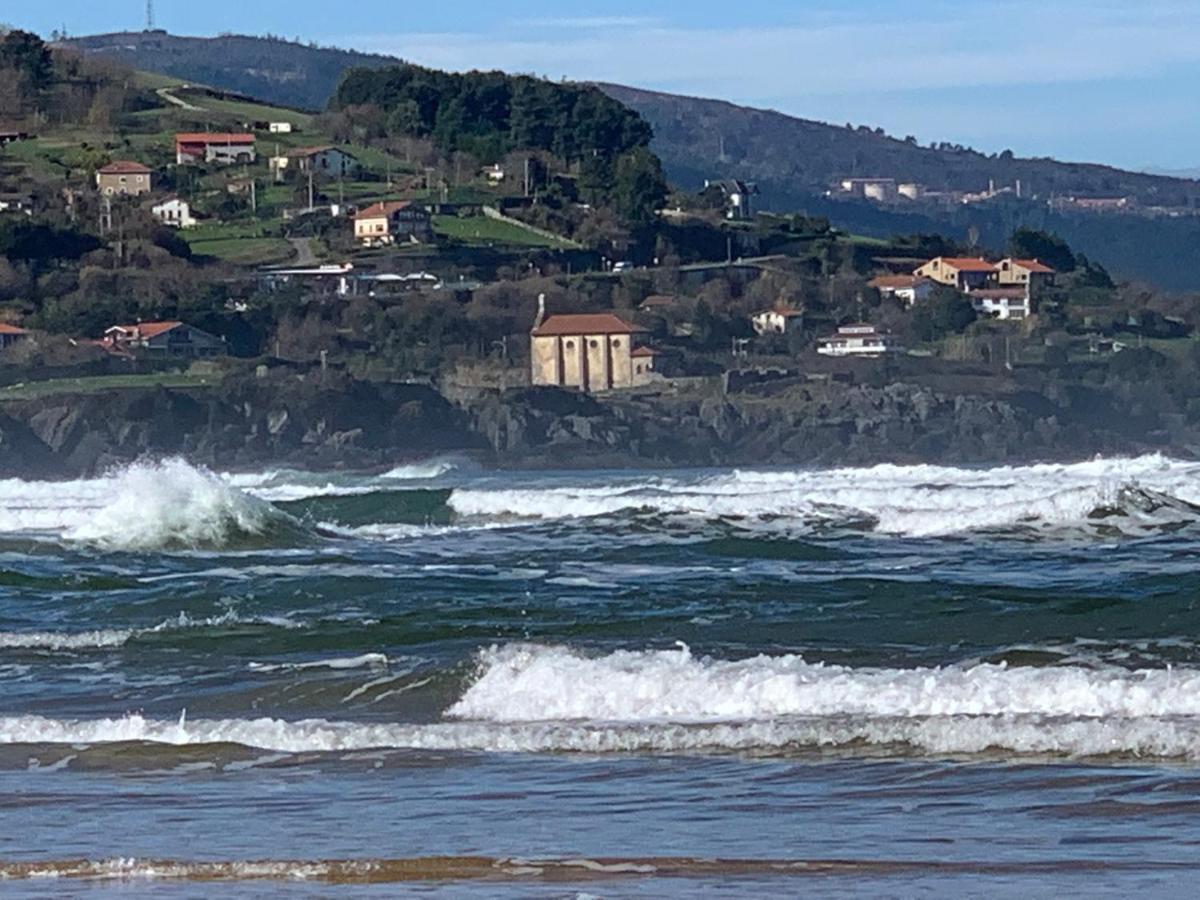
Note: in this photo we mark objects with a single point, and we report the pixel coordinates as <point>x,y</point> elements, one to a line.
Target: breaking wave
<point>1104,495</point>
<point>142,507</point>
<point>534,699</point>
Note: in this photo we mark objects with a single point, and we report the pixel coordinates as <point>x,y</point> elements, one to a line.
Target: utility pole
<point>149,15</point>
<point>310,188</point>
<point>254,197</point>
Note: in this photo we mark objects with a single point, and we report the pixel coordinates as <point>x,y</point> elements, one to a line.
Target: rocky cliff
<point>342,423</point>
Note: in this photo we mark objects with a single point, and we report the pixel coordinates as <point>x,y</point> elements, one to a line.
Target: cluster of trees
<point>489,114</point>
<point>61,86</point>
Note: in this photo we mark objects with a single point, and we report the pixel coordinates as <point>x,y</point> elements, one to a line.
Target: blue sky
<point>1093,80</point>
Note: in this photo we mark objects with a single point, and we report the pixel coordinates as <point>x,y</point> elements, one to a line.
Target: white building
<point>280,127</point>
<point>910,289</point>
<point>780,320</point>
<point>881,190</point>
<point>175,213</point>
<point>859,340</point>
<point>1002,303</point>
<point>328,162</point>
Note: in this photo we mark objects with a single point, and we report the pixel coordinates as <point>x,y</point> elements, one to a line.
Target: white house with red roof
<point>163,338</point>
<point>591,352</point>
<point>221,148</point>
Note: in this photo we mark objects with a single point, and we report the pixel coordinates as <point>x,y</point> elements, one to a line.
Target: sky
<point>1088,80</point>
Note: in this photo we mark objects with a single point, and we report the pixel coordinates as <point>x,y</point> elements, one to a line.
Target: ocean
<point>448,681</point>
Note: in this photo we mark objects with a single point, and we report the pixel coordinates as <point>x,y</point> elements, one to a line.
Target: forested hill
<point>274,70</point>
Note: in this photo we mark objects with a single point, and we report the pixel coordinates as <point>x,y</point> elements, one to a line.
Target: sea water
<point>895,681</point>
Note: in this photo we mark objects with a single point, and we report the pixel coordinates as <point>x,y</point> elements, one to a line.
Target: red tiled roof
<point>11,329</point>
<point>1033,265</point>
<point>968,264</point>
<point>124,167</point>
<point>644,351</point>
<point>595,323</point>
<point>144,330</point>
<point>204,137</point>
<point>382,210</point>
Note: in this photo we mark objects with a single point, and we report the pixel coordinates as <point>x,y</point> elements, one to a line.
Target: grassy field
<point>480,230</point>
<point>100,383</point>
<point>245,251</point>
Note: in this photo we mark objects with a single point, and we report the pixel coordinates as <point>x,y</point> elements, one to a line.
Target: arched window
<point>616,342</point>
<point>593,344</point>
<point>570,345</point>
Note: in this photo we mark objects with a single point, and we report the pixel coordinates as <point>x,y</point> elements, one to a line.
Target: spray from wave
<point>144,507</point>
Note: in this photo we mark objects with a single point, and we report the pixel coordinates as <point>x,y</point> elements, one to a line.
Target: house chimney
<point>541,313</point>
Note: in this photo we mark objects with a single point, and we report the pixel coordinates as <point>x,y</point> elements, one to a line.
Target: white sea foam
<point>423,471</point>
<point>144,506</point>
<point>526,683</point>
<point>530,699</point>
<point>109,638</point>
<point>908,500</point>
<point>941,735</point>
<point>365,661</point>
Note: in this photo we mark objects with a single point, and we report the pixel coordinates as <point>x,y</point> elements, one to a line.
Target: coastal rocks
<point>333,422</point>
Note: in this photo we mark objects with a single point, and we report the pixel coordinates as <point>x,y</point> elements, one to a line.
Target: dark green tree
<point>640,188</point>
<point>1029,243</point>
<point>28,55</point>
<point>946,312</point>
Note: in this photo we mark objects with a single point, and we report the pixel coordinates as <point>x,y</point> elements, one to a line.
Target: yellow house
<point>592,353</point>
<point>964,273</point>
<point>382,224</point>
<point>123,178</point>
<point>1014,271</point>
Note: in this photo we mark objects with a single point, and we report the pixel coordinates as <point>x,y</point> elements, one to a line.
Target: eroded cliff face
<point>342,423</point>
<point>245,423</point>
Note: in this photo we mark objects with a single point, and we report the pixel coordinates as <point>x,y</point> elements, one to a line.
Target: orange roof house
<point>1033,272</point>
<point>171,338</point>
<point>964,273</point>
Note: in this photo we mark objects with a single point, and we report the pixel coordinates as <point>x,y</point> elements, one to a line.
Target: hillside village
<point>162,233</point>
